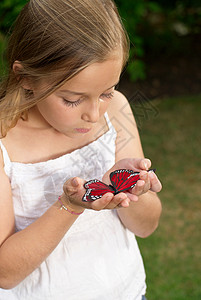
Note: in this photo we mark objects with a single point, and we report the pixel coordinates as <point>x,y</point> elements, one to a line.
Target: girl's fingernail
<point>75,182</point>
<point>143,175</point>
<point>151,174</point>
<point>109,197</point>
<point>126,203</point>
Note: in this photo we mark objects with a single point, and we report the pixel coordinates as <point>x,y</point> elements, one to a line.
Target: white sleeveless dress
<point>98,258</point>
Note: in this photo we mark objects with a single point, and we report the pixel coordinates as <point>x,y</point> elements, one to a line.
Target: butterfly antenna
<point>153,170</point>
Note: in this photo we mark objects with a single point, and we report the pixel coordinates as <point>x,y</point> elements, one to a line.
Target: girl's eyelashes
<point>108,96</point>
<point>76,103</point>
<point>71,103</point>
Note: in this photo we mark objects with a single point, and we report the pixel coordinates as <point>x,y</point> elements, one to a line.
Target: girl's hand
<point>74,191</point>
<point>148,180</point>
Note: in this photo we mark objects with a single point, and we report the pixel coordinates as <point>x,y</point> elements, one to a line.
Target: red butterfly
<point>122,180</point>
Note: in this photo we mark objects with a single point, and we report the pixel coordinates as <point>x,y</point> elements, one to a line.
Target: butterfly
<point>122,180</point>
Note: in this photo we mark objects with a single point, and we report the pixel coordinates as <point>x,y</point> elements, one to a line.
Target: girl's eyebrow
<point>80,93</point>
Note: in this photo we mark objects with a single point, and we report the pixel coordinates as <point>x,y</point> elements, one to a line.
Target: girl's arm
<point>22,252</point>
<point>142,216</point>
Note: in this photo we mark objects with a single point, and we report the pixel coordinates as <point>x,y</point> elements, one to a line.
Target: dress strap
<point>6,157</point>
<point>109,124</point>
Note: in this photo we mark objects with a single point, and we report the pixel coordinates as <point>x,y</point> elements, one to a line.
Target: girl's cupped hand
<point>74,189</point>
<point>148,180</point>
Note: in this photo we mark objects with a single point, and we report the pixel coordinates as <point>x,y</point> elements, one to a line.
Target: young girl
<point>63,123</point>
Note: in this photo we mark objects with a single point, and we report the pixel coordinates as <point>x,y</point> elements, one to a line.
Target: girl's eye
<point>70,103</point>
<point>76,103</point>
<point>108,96</point>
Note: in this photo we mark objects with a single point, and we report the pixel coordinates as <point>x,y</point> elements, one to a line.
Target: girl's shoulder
<point>117,102</point>
<point>120,111</point>
<point>121,115</point>
<point>1,159</point>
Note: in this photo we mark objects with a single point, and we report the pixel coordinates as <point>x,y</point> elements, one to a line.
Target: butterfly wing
<point>124,179</point>
<point>95,189</point>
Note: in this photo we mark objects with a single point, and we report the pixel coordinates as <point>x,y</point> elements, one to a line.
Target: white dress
<point>98,258</point>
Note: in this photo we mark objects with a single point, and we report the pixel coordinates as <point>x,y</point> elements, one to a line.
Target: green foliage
<point>2,58</point>
<point>155,25</point>
<point>9,9</point>
<point>136,69</point>
<point>132,12</point>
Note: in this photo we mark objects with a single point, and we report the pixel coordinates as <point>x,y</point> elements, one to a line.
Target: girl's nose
<point>91,113</point>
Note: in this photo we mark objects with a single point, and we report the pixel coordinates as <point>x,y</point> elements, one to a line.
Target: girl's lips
<point>82,130</point>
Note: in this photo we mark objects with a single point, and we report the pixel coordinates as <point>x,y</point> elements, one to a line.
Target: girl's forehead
<point>101,75</point>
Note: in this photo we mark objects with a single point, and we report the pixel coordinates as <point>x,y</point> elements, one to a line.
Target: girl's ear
<point>18,71</point>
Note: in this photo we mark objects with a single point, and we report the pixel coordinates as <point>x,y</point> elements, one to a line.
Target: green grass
<point>172,255</point>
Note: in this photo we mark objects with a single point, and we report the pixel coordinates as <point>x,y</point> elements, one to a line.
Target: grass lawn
<point>172,255</point>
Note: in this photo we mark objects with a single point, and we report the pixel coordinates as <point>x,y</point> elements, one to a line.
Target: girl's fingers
<point>147,181</point>
<point>109,201</point>
<point>156,185</point>
<point>139,188</point>
<point>132,197</point>
<point>73,185</point>
<point>145,164</point>
<point>145,177</point>
<point>74,189</point>
<point>135,164</point>
<point>143,184</point>
<point>102,202</point>
<point>141,163</point>
<point>120,200</point>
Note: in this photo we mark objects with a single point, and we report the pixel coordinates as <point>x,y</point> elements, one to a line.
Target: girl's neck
<point>35,120</point>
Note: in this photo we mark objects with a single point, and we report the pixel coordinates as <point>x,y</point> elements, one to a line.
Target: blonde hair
<point>55,40</point>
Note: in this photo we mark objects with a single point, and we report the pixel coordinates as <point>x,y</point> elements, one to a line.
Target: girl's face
<point>77,106</point>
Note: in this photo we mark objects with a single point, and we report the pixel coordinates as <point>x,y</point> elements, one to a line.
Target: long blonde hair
<point>55,40</point>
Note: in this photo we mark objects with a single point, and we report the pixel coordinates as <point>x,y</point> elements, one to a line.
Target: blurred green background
<point>162,83</point>
<point>153,26</point>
